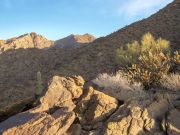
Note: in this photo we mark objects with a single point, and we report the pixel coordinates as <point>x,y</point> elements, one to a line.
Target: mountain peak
<point>28,40</point>
<point>86,38</point>
<point>74,40</point>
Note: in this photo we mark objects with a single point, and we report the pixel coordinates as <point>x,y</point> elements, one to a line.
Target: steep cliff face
<point>74,41</point>
<point>31,40</point>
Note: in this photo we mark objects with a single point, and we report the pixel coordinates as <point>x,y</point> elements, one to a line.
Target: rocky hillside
<point>100,56</point>
<point>30,40</point>
<point>74,41</point>
<point>19,67</point>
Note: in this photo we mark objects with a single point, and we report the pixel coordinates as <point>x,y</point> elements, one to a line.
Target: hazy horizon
<point>57,19</point>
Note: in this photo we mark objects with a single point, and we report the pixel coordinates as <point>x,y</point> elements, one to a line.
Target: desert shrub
<point>150,69</point>
<point>128,54</point>
<point>148,43</point>
<point>170,82</point>
<point>149,61</point>
<point>39,83</point>
<point>116,82</point>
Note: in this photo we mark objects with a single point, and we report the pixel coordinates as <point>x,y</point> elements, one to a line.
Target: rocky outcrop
<point>67,108</point>
<point>74,41</point>
<point>30,40</point>
<point>30,123</point>
<point>129,120</point>
<point>11,104</point>
<point>62,91</point>
<point>55,113</point>
<point>95,107</point>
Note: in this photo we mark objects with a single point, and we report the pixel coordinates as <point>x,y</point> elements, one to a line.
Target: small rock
<point>75,129</point>
<point>173,122</point>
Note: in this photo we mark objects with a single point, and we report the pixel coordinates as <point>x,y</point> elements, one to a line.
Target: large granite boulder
<point>129,120</point>
<point>54,114</point>
<point>38,123</point>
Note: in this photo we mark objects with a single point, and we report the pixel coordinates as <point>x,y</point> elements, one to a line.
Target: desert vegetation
<point>170,82</point>
<point>116,82</point>
<point>149,62</point>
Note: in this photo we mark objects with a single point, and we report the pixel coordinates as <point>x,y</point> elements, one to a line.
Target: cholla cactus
<point>176,57</point>
<point>148,61</point>
<point>39,83</point>
<point>126,56</point>
<point>176,61</point>
<point>150,69</point>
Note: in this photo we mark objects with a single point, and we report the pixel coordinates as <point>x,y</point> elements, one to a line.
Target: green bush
<point>148,61</point>
<point>128,55</point>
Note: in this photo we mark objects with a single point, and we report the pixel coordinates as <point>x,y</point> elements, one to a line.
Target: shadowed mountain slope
<point>100,55</point>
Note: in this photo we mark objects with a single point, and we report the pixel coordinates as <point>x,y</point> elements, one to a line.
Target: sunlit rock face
<point>54,114</point>
<point>30,40</point>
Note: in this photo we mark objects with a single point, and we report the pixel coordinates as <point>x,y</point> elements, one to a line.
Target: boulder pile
<point>67,108</point>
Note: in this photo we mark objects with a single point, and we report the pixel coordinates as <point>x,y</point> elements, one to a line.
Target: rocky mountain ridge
<point>74,41</point>
<point>30,40</point>
<point>34,40</point>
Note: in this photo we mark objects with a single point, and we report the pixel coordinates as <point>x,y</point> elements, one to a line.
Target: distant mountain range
<point>34,40</point>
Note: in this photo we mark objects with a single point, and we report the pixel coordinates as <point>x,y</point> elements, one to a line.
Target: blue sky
<point>58,18</point>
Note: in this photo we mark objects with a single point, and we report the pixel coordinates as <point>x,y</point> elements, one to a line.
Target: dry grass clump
<point>116,82</point>
<point>171,82</point>
<point>120,87</point>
